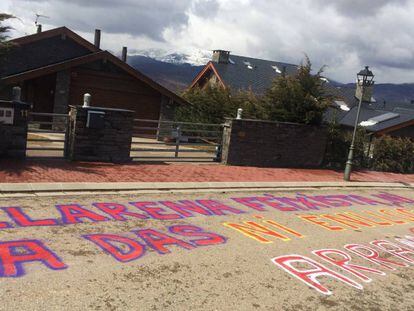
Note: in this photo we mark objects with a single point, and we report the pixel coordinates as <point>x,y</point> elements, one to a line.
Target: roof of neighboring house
<point>244,73</point>
<point>391,106</point>
<point>31,58</point>
<point>376,117</point>
<point>374,120</point>
<point>341,93</point>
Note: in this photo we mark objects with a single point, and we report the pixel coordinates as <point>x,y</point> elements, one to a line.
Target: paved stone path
<point>63,171</point>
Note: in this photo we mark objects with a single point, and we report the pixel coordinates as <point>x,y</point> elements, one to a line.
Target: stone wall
<point>273,144</point>
<point>13,137</point>
<point>111,143</point>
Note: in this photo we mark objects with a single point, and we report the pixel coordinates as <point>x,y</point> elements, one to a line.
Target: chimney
<point>221,56</point>
<point>39,28</point>
<point>98,38</point>
<point>124,54</point>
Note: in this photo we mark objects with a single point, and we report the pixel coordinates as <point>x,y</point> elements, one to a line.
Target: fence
<point>47,135</point>
<point>155,140</point>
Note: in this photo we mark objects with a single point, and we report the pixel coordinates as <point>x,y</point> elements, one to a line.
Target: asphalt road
<point>314,250</point>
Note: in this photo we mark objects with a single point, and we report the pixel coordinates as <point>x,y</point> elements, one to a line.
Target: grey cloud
<point>339,38</point>
<point>206,8</point>
<point>360,8</point>
<point>133,17</point>
<point>343,34</point>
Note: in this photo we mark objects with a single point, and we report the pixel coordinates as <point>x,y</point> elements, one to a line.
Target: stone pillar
<point>13,129</point>
<point>104,136</point>
<point>61,102</point>
<point>273,144</point>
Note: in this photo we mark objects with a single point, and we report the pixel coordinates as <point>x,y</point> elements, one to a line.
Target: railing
<point>47,135</point>
<point>171,140</point>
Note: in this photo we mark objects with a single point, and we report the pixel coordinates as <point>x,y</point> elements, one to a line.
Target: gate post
<point>100,134</point>
<point>177,141</point>
<point>13,126</point>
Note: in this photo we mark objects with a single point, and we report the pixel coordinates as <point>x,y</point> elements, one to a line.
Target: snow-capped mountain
<point>194,57</point>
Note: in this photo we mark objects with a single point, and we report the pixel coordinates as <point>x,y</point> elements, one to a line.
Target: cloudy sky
<point>342,34</point>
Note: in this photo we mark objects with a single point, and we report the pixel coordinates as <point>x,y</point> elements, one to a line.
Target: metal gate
<point>155,140</point>
<point>47,135</point>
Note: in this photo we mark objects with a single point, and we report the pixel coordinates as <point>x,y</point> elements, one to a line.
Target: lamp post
<point>365,78</point>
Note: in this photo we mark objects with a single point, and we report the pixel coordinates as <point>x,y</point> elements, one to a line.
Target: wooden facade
<point>56,68</point>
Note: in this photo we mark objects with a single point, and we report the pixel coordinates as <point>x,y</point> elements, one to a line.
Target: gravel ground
<point>235,273</point>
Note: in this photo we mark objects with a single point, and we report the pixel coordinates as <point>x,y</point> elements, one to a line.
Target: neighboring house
<point>56,68</point>
<point>378,118</point>
<point>241,73</point>
<point>246,73</point>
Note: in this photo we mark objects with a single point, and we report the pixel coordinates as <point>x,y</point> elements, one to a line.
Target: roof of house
<point>42,49</point>
<point>244,73</point>
<point>376,117</point>
<point>345,94</point>
<point>391,106</point>
<point>55,32</point>
<point>373,119</point>
<point>30,58</point>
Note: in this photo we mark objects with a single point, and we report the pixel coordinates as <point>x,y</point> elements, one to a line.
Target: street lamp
<point>365,79</point>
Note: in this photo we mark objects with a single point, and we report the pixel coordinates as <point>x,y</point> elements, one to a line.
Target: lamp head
<point>365,77</point>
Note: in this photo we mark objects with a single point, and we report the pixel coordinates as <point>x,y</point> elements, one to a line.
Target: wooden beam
<point>395,128</point>
<point>211,67</point>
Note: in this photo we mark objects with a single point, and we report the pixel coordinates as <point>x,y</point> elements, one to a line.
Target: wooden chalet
<point>55,68</point>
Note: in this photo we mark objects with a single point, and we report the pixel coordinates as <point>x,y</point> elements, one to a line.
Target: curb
<point>68,188</point>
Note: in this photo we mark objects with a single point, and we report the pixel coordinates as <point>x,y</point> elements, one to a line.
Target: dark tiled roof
<point>43,49</point>
<point>41,53</point>
<point>341,93</point>
<point>334,115</point>
<point>368,112</point>
<point>238,76</point>
<point>391,106</point>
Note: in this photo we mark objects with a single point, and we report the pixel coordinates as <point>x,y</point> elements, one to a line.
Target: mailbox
<point>6,115</point>
<point>95,119</point>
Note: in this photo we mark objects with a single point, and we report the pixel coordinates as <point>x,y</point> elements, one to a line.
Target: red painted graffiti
<point>15,254</point>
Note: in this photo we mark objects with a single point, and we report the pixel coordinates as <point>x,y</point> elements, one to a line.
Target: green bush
<point>393,155</point>
<point>212,104</point>
<point>338,144</point>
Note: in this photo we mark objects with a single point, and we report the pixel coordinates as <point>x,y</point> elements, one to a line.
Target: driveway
<point>155,151</point>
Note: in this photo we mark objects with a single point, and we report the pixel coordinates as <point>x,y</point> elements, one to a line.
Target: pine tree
<point>4,30</point>
<point>298,98</point>
<point>4,46</point>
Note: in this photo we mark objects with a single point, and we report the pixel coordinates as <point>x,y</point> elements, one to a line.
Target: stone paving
<point>64,171</point>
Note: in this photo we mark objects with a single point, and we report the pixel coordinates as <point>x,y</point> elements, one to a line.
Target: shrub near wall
<point>393,155</point>
<point>338,145</point>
